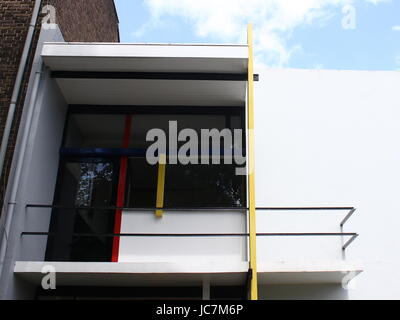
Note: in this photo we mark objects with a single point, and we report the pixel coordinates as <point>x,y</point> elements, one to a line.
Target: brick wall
<point>79,20</point>
<point>87,20</point>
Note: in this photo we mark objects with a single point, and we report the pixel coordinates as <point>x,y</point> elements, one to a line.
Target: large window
<point>186,185</point>
<point>103,160</point>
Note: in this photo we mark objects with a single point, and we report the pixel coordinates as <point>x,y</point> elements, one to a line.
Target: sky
<point>307,34</point>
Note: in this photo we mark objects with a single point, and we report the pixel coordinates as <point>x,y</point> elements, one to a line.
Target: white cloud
<point>378,1</point>
<point>226,20</point>
<point>318,66</point>
<point>398,62</point>
<point>396,28</point>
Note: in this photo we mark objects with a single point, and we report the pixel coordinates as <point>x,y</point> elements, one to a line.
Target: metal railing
<point>350,211</point>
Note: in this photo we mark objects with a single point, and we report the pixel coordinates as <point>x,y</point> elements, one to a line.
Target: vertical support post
<point>206,289</point>
<point>160,184</point>
<point>121,189</point>
<point>251,179</point>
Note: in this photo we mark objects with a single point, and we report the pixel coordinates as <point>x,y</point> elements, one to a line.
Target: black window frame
<point>228,111</point>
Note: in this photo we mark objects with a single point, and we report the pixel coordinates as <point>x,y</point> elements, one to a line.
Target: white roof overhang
<point>149,74</point>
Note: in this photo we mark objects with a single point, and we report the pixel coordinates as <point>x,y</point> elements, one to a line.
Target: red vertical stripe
<point>121,189</point>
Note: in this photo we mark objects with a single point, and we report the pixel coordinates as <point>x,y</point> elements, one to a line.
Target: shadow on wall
<point>303,292</point>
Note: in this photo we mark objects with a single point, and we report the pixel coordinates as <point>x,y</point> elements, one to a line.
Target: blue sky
<point>327,34</point>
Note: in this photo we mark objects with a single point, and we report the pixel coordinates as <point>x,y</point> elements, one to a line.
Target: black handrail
<point>352,235</point>
<point>350,210</point>
<point>186,209</point>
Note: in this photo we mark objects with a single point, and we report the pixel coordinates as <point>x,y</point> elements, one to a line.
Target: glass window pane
<point>203,186</point>
<point>142,124</point>
<point>141,184</point>
<point>91,185</point>
<point>94,131</point>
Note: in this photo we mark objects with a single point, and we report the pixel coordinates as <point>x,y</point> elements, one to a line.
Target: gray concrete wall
<point>42,167</point>
<point>38,177</point>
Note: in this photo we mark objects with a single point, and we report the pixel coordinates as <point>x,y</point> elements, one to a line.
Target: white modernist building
<point>88,205</point>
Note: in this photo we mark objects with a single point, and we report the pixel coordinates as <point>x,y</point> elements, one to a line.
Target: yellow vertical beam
<point>252,199</point>
<point>160,185</point>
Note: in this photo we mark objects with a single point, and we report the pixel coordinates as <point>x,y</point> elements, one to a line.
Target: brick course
<point>87,20</point>
<point>79,21</point>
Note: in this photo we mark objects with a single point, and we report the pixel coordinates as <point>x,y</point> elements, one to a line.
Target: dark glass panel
<point>204,186</point>
<point>83,183</point>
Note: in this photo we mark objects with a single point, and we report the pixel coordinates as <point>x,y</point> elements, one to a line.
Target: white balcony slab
<point>134,273</point>
<point>306,273</point>
<point>182,274</point>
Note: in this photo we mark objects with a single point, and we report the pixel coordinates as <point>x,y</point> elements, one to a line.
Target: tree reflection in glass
<point>92,174</point>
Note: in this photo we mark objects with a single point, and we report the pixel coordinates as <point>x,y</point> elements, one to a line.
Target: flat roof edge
<point>130,57</point>
<point>150,44</point>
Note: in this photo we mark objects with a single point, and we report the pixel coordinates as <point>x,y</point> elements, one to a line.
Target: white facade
<point>322,139</point>
<point>329,138</point>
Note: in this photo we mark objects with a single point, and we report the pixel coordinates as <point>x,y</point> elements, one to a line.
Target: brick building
<point>78,20</point>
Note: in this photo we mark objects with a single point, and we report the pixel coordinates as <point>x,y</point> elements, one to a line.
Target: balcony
<point>171,255</point>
